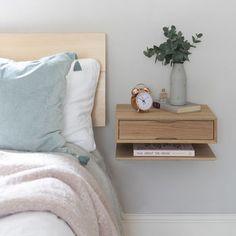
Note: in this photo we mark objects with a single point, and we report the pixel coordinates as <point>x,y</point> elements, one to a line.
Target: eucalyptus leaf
<point>199,35</point>
<point>175,49</point>
<point>165,29</point>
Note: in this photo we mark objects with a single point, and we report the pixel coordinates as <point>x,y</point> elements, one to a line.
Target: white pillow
<point>81,89</point>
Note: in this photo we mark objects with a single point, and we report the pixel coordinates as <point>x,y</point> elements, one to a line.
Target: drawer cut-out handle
<point>167,138</point>
<point>165,121</point>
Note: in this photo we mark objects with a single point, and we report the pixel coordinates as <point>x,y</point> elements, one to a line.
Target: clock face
<point>144,101</point>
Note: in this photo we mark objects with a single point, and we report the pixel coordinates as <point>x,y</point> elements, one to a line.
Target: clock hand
<point>142,97</point>
<point>143,101</point>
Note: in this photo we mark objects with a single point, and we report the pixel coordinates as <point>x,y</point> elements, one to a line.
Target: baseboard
<point>179,224</point>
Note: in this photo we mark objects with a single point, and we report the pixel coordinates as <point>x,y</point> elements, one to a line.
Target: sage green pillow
<point>31,102</point>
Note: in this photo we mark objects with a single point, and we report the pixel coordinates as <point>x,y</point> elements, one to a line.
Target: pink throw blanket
<point>58,184</point>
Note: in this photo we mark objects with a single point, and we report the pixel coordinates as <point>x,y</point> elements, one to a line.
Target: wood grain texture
<point>158,126</point>
<point>153,130</point>
<point>202,152</point>
<point>125,112</point>
<point>31,46</point>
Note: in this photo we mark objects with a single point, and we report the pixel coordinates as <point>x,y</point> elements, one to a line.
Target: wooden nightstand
<point>158,126</point>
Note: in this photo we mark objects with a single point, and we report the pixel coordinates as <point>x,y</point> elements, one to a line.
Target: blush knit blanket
<point>58,184</point>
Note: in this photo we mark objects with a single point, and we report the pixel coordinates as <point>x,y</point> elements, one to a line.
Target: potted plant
<point>175,51</point>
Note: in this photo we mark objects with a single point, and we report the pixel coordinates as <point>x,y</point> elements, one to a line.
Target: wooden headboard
<point>30,46</point>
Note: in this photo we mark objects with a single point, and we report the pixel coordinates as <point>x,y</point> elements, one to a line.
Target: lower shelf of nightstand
<point>124,151</point>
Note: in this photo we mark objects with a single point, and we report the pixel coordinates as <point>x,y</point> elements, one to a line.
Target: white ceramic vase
<point>178,85</point>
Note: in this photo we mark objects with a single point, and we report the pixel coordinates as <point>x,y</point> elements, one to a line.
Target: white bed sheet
<point>34,224</point>
<point>46,223</point>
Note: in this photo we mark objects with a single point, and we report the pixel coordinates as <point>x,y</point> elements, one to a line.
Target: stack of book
<point>165,150</point>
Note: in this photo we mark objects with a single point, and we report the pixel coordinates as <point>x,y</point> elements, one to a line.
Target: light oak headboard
<point>30,46</point>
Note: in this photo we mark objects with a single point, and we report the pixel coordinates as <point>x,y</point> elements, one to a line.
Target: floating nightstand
<point>158,126</point>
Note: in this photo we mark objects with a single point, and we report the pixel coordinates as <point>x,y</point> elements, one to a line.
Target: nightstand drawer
<point>175,130</point>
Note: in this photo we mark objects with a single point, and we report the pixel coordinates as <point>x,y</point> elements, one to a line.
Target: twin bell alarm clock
<point>141,99</point>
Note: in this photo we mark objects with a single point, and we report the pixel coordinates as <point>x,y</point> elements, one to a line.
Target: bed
<point>52,191</point>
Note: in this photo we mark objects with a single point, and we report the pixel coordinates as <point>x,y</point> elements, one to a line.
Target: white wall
<point>131,25</point>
